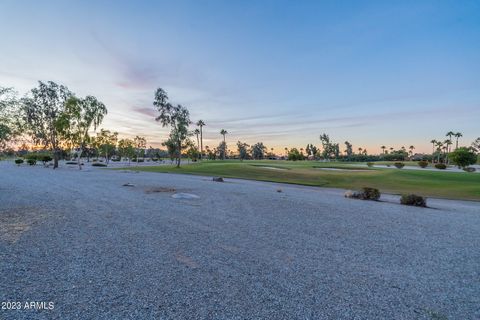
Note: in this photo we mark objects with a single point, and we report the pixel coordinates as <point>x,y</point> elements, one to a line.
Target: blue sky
<point>372,72</point>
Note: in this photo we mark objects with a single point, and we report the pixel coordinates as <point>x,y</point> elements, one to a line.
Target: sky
<point>393,73</point>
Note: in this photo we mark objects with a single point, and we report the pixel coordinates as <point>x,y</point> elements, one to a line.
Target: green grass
<point>427,183</point>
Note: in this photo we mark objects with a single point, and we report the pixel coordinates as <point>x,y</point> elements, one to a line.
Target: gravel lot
<point>100,250</point>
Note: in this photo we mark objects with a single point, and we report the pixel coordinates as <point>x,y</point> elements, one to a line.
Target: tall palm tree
<point>200,124</point>
<point>383,149</point>
<point>197,132</point>
<point>439,145</point>
<point>449,135</point>
<point>224,132</point>
<point>457,135</point>
<point>446,149</point>
<point>360,150</point>
<point>433,142</point>
<point>286,151</point>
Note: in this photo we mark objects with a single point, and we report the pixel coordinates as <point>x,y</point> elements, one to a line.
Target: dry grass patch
<point>15,222</point>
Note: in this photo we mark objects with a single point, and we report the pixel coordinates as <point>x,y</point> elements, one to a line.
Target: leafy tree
<point>222,150</point>
<point>242,150</point>
<point>77,119</point>
<point>201,124</point>
<point>140,143</point>
<point>41,112</point>
<point>106,142</point>
<point>463,157</point>
<point>294,155</point>
<point>192,151</point>
<point>476,144</point>
<point>177,117</point>
<point>7,102</point>
<point>171,148</point>
<point>349,149</point>
<point>258,151</point>
<point>411,148</point>
<point>126,149</point>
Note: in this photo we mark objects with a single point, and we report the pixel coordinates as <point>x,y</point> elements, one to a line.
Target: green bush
<point>469,169</point>
<point>32,162</point>
<point>370,194</point>
<point>399,165</point>
<point>46,158</point>
<point>18,161</point>
<point>423,164</point>
<point>370,164</point>
<point>413,200</point>
<point>71,162</point>
<point>96,164</point>
<point>440,166</point>
<point>116,159</point>
<point>154,159</point>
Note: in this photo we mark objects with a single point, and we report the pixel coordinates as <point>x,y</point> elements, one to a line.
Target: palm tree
<point>286,151</point>
<point>439,146</point>
<point>447,143</point>
<point>360,150</point>
<point>224,132</point>
<point>391,149</point>
<point>197,132</point>
<point>433,142</point>
<point>449,135</point>
<point>200,124</point>
<point>383,149</point>
<point>457,135</point>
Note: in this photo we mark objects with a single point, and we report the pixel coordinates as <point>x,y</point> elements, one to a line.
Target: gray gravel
<point>99,250</point>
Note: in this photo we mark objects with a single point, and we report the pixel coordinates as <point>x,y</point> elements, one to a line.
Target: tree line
<point>55,119</point>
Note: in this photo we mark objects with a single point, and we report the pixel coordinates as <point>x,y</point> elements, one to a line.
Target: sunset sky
<point>282,72</point>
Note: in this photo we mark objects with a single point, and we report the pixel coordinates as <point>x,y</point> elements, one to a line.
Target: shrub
<point>413,200</point>
<point>71,162</point>
<point>18,161</point>
<point>139,160</point>
<point>423,164</point>
<point>399,165</point>
<point>370,164</point>
<point>96,164</point>
<point>46,159</point>
<point>469,169</point>
<point>154,159</point>
<point>371,194</point>
<point>32,162</point>
<point>116,159</point>
<point>440,166</point>
<point>365,194</point>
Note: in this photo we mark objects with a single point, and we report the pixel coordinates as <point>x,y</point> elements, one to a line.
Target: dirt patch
<point>159,189</point>
<point>15,222</point>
